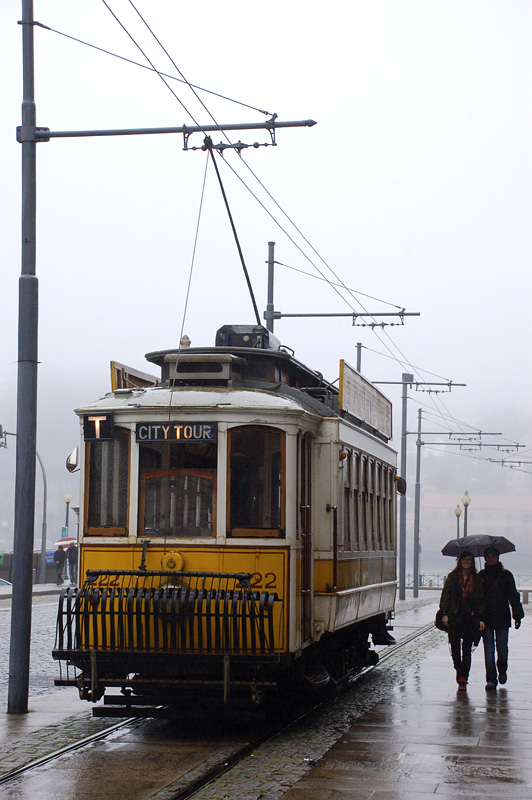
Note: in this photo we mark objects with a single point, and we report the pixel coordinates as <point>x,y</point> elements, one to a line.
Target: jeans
<point>495,638</point>
<point>461,646</point>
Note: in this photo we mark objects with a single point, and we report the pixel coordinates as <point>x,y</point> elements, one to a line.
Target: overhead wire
<point>341,283</point>
<point>152,69</point>
<point>404,359</point>
<point>326,280</point>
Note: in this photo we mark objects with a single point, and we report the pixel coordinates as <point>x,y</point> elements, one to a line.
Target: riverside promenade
<point>428,740</point>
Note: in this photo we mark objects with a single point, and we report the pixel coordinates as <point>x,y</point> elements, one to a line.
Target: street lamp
<point>68,499</point>
<point>42,577</point>
<point>466,499</point>
<point>457,511</point>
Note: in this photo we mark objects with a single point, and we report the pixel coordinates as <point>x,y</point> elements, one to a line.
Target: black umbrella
<point>477,544</point>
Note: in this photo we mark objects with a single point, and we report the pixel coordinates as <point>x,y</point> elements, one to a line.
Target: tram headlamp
<point>172,561</point>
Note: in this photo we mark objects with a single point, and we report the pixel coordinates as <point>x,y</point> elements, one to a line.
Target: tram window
<point>372,532</point>
<point>365,514</point>
<point>355,536</point>
<point>347,518</point>
<point>177,504</point>
<point>346,465</point>
<point>255,482</point>
<point>177,490</point>
<point>380,541</point>
<point>108,483</point>
<point>391,510</point>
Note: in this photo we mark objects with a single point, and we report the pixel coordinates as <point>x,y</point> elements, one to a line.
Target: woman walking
<point>462,605</point>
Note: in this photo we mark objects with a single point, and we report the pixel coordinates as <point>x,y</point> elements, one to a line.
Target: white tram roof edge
<point>182,398</point>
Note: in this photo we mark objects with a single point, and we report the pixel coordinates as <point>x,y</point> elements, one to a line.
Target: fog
<point>413,190</point>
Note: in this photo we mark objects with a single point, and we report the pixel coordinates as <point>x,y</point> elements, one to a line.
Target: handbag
<point>438,621</point>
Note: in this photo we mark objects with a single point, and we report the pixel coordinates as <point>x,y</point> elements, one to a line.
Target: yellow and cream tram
<point>237,529</point>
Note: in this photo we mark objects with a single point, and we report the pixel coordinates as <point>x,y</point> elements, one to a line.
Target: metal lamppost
<point>466,499</point>
<point>68,500</point>
<point>457,511</point>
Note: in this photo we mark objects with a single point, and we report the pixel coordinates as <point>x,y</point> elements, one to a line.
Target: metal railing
<point>435,580</point>
<point>179,612</point>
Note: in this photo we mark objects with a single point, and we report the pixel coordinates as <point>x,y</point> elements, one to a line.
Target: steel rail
<point>69,748</point>
<point>219,769</point>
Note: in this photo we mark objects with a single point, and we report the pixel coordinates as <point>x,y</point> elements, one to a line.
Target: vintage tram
<point>237,529</point>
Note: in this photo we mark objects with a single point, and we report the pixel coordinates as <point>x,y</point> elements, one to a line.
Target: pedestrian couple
<point>477,605</point>
<point>71,556</point>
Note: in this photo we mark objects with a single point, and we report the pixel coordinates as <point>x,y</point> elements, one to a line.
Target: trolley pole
<point>19,654</point>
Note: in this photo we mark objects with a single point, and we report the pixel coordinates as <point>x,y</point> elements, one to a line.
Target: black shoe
<point>490,687</point>
<point>503,677</point>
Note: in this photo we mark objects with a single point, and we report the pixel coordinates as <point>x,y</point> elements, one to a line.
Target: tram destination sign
<point>185,432</point>
<point>98,427</point>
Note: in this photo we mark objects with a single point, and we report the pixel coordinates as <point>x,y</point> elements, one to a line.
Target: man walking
<point>59,561</point>
<point>499,594</point>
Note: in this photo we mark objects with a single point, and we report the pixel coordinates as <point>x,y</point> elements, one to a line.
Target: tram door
<point>305,462</point>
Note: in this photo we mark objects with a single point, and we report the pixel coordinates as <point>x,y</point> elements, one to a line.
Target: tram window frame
<point>242,531</point>
<point>176,459</point>
<point>116,482</point>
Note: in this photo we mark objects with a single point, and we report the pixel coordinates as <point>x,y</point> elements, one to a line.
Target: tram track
<point>69,748</point>
<point>189,791</point>
<point>185,789</point>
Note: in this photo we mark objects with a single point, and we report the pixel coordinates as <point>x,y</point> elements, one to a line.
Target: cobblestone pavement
<point>43,669</point>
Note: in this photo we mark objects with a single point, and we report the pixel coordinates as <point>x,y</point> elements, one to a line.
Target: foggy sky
<point>414,186</point>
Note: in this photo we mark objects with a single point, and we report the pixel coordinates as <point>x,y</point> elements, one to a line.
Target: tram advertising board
<point>362,399</point>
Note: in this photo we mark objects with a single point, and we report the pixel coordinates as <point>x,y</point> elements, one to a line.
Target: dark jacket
<point>451,603</point>
<point>499,594</point>
<point>72,555</point>
<point>59,558</point>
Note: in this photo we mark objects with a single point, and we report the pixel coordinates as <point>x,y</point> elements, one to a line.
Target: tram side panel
<point>355,534</point>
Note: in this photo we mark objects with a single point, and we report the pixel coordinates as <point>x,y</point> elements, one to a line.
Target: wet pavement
<point>429,740</point>
<point>405,732</point>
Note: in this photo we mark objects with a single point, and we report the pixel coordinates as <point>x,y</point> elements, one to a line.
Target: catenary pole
<point>406,380</point>
<point>269,305</point>
<point>19,654</point>
<point>417,500</point>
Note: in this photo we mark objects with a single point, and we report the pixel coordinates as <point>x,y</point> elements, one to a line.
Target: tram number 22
<point>260,581</point>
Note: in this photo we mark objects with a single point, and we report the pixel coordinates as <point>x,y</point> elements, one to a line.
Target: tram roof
<point>161,397</point>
